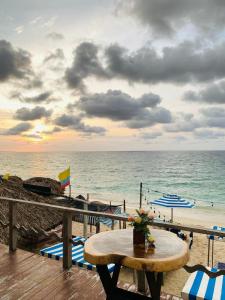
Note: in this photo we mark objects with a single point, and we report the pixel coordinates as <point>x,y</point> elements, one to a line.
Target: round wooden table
<point>116,247</point>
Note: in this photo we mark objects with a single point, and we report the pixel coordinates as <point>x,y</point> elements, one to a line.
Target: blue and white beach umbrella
<point>172,201</point>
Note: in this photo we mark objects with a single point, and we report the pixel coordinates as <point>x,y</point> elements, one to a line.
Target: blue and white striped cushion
<point>56,252</point>
<point>200,286</point>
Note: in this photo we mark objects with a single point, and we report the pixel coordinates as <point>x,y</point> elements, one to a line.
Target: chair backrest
<point>205,285</point>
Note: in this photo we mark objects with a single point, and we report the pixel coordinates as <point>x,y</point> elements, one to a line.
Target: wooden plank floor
<point>25,275</point>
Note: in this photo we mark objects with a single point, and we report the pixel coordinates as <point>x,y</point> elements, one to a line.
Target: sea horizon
<point>117,174</point>
<point>79,151</point>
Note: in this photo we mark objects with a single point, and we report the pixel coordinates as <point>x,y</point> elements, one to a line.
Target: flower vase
<point>139,238</point>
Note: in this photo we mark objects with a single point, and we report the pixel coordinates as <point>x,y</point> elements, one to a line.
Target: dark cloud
<point>67,120</point>
<point>58,54</point>
<point>213,112</point>
<point>18,129</point>
<point>180,64</point>
<point>214,117</point>
<point>26,114</point>
<point>85,63</point>
<point>53,130</point>
<point>180,138</point>
<point>183,123</point>
<point>55,36</point>
<point>165,18</point>
<point>212,94</point>
<point>39,98</point>
<point>208,134</point>
<point>33,83</point>
<point>43,97</point>
<point>75,123</point>
<point>14,63</point>
<point>118,106</point>
<point>150,135</point>
<point>39,135</point>
<point>159,115</point>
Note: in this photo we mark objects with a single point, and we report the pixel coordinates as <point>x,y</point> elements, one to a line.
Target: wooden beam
<point>12,227</point>
<point>67,240</point>
<point>190,228</point>
<point>66,209</point>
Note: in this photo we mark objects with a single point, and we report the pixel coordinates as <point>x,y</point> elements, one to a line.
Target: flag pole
<point>70,190</point>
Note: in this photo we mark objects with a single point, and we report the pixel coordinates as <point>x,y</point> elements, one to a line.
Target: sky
<point>112,75</point>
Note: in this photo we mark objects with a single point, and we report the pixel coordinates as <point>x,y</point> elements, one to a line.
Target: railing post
<point>98,223</point>
<point>12,226</point>
<point>85,218</point>
<point>97,227</point>
<point>120,226</point>
<point>67,240</point>
<point>141,194</point>
<point>112,227</point>
<point>124,210</point>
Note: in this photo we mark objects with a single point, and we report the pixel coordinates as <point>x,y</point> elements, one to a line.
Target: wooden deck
<point>25,275</point>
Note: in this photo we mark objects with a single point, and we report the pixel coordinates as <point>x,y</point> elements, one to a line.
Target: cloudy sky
<point>83,75</point>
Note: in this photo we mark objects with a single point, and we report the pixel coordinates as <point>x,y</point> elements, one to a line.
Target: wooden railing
<point>67,225</point>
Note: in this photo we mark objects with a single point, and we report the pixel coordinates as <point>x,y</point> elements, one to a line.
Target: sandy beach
<point>174,281</point>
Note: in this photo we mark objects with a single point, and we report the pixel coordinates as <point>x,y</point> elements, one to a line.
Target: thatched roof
<point>48,182</point>
<point>32,221</point>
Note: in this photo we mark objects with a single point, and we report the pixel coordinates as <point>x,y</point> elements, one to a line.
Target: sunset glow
<point>118,75</point>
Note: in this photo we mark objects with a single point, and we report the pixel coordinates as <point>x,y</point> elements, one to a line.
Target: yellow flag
<point>64,175</point>
<point>6,176</point>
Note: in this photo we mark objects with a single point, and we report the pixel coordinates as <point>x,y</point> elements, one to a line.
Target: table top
<point>116,246</point>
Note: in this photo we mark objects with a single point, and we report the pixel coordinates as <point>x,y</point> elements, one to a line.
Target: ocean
<point>195,175</point>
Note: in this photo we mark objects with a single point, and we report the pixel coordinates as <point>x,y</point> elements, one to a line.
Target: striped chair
<point>200,286</point>
<point>56,252</point>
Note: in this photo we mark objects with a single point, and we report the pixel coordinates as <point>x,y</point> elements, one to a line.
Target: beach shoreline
<point>205,217</point>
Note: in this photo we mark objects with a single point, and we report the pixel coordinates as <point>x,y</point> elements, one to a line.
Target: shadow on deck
<point>25,275</point>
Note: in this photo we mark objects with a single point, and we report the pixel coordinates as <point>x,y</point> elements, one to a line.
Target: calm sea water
<point>117,175</point>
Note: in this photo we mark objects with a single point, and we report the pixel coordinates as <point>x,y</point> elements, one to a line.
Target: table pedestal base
<point>114,293</point>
